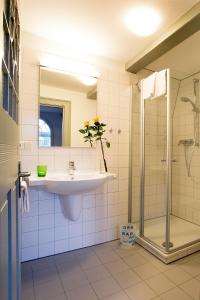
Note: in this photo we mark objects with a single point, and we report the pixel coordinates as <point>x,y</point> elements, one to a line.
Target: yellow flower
<point>95,119</point>
<point>86,123</point>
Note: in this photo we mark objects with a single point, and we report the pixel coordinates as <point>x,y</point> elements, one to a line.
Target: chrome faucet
<point>72,167</point>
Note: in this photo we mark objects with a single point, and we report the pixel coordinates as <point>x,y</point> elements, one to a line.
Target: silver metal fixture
<point>72,167</point>
<point>186,142</point>
<point>195,108</point>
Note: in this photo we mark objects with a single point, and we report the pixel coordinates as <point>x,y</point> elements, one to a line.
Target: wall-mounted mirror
<point>66,100</point>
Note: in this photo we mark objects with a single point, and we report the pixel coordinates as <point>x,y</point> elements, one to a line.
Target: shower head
<point>186,99</point>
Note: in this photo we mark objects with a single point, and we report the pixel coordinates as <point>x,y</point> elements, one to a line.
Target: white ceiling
<point>96,26</point>
<point>183,60</point>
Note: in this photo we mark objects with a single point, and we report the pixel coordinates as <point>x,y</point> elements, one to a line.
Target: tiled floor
<point>111,273</point>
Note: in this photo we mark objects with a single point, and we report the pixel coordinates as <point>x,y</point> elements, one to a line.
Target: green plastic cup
<point>41,170</point>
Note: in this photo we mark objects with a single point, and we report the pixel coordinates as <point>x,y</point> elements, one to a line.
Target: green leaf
<point>82,131</point>
<point>108,144</point>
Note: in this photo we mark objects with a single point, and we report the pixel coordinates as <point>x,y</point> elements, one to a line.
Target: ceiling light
<point>68,65</point>
<point>89,81</point>
<point>142,21</point>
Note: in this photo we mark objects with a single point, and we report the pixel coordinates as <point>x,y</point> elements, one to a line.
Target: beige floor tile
<point>45,275</point>
<point>82,293</point>
<point>82,253</point>
<point>40,264</point>
<point>160,284</point>
<point>70,266</point>
<point>177,275</point>
<point>71,280</point>
<point>118,296</point>
<point>116,266</point>
<point>123,252</point>
<point>97,273</point>
<point>108,255</point>
<point>135,260</point>
<point>162,267</point>
<point>192,288</point>
<point>101,247</point>
<point>146,271</point>
<point>64,257</point>
<point>192,267</point>
<point>105,287</point>
<point>127,278</point>
<point>59,297</point>
<point>90,262</point>
<point>47,290</point>
<point>27,281</point>
<point>195,256</point>
<point>26,267</point>
<point>175,294</point>
<point>146,253</point>
<point>140,291</point>
<point>27,293</point>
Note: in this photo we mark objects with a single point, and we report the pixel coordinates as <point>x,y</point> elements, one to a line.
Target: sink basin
<point>70,188</point>
<point>64,184</point>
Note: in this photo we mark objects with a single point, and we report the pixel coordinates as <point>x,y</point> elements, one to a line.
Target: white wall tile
<point>46,221</point>
<point>30,253</point>
<point>88,227</point>
<point>89,239</point>
<point>30,224</point>
<point>61,246</point>
<point>29,239</point>
<point>46,236</point>
<point>46,206</point>
<point>61,233</point>
<point>75,243</point>
<point>46,249</point>
<point>75,230</point>
<point>60,220</point>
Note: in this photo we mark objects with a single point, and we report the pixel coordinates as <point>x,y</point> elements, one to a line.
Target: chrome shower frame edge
<point>171,256</point>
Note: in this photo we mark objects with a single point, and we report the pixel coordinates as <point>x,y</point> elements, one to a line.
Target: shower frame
<point>166,254</point>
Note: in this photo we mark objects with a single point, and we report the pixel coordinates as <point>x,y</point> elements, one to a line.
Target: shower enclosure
<point>165,194</point>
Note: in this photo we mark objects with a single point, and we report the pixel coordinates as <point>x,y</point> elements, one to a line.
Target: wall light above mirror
<point>66,100</point>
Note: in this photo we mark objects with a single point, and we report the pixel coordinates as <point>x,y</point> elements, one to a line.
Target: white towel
<point>160,83</point>
<point>148,86</point>
<point>25,197</point>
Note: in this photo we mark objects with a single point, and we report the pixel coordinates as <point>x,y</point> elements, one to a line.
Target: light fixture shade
<point>142,21</point>
<point>68,65</point>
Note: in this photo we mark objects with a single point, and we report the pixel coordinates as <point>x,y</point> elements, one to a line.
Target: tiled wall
<point>44,230</point>
<point>185,190</point>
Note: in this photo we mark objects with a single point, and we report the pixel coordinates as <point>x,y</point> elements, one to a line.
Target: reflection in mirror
<point>66,100</point>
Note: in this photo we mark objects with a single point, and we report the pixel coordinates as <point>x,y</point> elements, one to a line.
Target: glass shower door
<point>156,169</point>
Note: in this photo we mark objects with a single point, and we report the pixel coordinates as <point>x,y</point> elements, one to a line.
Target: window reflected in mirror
<point>66,100</point>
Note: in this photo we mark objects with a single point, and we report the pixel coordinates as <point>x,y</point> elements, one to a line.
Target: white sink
<point>70,188</point>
